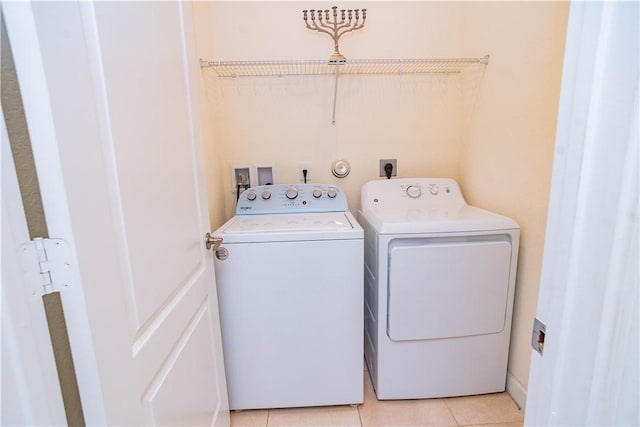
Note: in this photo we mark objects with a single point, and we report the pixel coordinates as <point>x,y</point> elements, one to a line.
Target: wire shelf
<point>234,69</point>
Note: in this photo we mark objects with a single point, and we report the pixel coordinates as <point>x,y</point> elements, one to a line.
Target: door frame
<point>28,361</point>
<point>23,34</point>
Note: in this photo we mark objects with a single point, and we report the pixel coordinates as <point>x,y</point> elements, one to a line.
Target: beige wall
<point>204,41</point>
<point>498,144</point>
<point>413,119</point>
<point>506,160</point>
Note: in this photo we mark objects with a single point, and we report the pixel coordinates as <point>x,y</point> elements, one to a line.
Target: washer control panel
<point>291,198</point>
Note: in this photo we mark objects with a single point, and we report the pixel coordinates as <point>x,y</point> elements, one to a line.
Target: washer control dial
<point>433,189</point>
<point>251,195</point>
<point>414,192</point>
<point>317,193</point>
<point>266,194</point>
<point>291,193</point>
<point>331,192</point>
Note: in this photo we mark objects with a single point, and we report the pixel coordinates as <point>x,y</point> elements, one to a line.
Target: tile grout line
<point>451,412</point>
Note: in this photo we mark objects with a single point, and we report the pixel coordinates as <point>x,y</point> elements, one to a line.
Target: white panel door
<point>589,370</point>
<point>110,99</point>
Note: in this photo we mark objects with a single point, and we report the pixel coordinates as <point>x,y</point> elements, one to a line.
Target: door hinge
<point>47,263</point>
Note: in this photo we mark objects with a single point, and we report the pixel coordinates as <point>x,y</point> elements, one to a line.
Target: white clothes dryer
<point>289,274</point>
<point>439,287</point>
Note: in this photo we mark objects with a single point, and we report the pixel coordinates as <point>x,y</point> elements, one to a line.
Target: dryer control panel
<point>291,198</point>
<point>412,193</point>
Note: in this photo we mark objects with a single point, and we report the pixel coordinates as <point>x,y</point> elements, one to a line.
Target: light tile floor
<point>490,410</point>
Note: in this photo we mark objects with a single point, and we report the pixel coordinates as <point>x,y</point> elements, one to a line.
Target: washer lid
<point>293,226</point>
<point>436,220</point>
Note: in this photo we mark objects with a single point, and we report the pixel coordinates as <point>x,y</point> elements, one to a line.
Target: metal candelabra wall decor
<point>335,28</point>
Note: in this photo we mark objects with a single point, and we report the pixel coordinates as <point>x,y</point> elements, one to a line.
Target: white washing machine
<point>439,286</point>
<point>289,274</point>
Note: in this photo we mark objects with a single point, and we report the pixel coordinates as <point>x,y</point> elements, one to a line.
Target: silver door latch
<point>537,336</point>
<point>211,241</point>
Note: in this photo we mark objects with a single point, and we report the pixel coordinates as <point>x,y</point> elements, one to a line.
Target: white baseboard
<point>517,391</point>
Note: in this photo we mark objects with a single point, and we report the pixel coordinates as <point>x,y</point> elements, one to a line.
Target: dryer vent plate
<point>340,168</point>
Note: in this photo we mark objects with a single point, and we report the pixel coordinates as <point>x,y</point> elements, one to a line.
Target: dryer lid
<point>437,220</point>
<point>424,205</point>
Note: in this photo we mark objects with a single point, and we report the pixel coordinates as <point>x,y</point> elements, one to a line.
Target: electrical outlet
<point>394,164</point>
<point>307,167</point>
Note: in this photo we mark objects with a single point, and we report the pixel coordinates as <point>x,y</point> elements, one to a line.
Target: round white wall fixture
<point>340,168</point>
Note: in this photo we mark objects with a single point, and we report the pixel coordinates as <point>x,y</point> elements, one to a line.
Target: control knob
<point>332,193</point>
<point>251,195</point>
<point>433,189</point>
<point>266,194</point>
<point>317,193</point>
<point>291,193</point>
<point>414,192</point>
